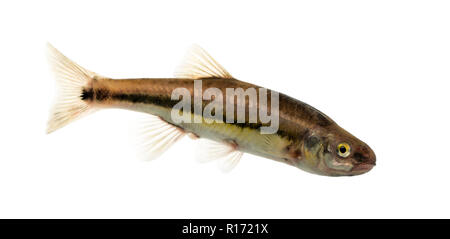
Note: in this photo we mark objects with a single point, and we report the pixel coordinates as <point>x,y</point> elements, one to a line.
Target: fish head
<point>335,152</point>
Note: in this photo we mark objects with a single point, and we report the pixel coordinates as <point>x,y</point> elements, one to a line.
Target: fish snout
<point>365,159</point>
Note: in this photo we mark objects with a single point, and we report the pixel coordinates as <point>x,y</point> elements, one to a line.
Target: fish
<point>227,117</point>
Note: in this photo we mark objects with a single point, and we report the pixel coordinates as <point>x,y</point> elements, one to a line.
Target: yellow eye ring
<point>343,150</point>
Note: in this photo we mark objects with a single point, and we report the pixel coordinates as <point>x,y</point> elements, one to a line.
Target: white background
<point>380,69</point>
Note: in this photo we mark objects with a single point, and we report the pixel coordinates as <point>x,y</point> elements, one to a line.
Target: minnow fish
<point>301,136</point>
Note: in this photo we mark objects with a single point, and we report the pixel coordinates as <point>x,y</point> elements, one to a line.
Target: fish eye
<point>343,150</point>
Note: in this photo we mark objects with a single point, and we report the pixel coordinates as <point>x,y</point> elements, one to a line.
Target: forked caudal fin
<point>70,80</point>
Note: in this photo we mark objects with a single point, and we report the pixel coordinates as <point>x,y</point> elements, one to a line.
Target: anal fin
<point>156,136</point>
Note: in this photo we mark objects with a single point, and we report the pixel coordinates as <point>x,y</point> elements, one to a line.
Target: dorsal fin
<point>199,64</point>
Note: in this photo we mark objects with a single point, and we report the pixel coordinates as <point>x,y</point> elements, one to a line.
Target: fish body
<point>304,137</point>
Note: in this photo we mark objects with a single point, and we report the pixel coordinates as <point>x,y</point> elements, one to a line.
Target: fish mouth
<point>363,167</point>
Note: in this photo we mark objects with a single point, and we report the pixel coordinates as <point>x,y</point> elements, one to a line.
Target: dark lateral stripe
<point>87,94</point>
<point>169,103</point>
<point>99,94</point>
<point>145,99</point>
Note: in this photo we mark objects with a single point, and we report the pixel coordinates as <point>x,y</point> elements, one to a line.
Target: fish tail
<point>71,80</point>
